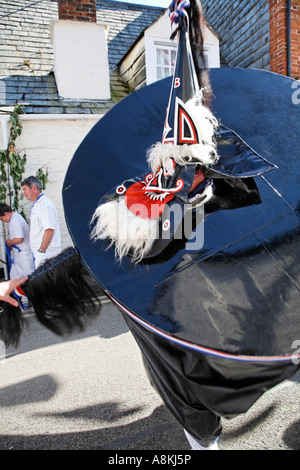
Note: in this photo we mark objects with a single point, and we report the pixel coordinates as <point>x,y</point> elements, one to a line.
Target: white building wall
<point>52,140</point>
<point>80,60</point>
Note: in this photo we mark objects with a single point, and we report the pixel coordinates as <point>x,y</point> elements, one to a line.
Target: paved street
<point>90,392</point>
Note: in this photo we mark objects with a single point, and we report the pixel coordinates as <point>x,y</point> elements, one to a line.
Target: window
<point>165,61</point>
<point>206,58</point>
<point>160,50</point>
<point>160,58</point>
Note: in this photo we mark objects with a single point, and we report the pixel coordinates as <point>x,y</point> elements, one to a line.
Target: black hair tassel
<point>63,294</point>
<point>11,324</point>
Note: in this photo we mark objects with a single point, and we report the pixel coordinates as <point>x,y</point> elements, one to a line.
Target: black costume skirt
<point>200,388</point>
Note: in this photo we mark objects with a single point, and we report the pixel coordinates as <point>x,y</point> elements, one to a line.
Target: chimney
<point>77,10</point>
<point>285,37</point>
<point>81,66</point>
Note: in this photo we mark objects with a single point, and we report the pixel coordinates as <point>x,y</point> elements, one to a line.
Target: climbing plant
<point>42,175</point>
<point>12,165</point>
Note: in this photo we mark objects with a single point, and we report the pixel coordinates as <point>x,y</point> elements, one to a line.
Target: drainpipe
<point>288,36</point>
<point>5,131</point>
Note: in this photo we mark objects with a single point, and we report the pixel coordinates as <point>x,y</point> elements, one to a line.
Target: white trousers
<point>22,264</point>
<point>195,445</point>
<point>39,258</point>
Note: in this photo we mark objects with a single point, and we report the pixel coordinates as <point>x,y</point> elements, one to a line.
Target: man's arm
<point>14,241</point>
<point>48,234</point>
<point>7,287</point>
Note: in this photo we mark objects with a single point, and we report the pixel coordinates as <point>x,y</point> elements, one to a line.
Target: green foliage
<point>42,176</point>
<point>12,165</point>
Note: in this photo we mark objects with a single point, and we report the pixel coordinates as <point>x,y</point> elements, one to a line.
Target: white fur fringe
<point>204,153</point>
<point>130,234</point>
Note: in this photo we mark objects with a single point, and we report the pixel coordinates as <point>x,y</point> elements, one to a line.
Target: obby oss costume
<point>201,252</point>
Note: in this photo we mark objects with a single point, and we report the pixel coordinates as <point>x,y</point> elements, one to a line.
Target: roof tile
<point>26,53</point>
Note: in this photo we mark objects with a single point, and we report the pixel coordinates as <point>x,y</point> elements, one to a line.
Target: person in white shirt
<point>20,253</point>
<point>45,239</point>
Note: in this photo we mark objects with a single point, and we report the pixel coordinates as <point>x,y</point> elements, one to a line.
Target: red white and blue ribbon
<point>177,9</point>
<point>295,357</point>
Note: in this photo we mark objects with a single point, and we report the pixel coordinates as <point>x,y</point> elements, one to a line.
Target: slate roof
<point>26,53</point>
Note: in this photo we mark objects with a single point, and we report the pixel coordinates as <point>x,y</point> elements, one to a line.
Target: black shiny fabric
<point>198,388</point>
<point>232,285</point>
<point>237,288</point>
<point>237,159</point>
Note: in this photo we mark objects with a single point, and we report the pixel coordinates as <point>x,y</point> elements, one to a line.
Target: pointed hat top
<point>189,126</point>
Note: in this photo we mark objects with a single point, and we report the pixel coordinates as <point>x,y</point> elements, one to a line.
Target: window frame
<point>153,43</point>
<point>151,46</point>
